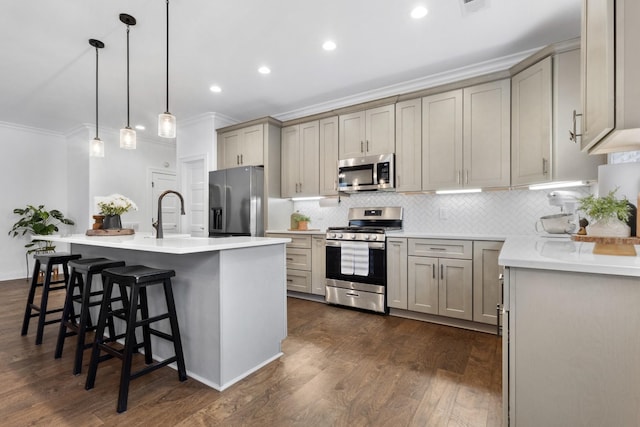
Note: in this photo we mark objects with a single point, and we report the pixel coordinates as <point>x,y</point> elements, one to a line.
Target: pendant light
<point>96,146</point>
<point>127,135</point>
<point>166,120</point>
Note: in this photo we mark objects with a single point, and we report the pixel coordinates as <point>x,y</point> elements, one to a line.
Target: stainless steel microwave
<point>367,173</point>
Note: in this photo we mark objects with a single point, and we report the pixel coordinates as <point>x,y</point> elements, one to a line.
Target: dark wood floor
<point>340,368</point>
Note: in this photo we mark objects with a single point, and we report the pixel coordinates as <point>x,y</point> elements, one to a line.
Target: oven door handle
<point>372,245</point>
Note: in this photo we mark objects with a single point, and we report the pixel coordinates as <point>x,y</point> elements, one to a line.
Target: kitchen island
<point>230,296</point>
<point>571,347</point>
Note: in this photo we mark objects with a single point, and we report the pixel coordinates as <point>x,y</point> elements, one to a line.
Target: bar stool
<point>46,263</point>
<point>136,278</point>
<point>72,324</point>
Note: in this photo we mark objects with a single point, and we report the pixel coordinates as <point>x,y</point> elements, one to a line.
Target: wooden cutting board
<point>111,232</point>
<point>623,246</point>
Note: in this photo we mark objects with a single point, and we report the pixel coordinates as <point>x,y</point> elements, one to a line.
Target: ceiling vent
<point>470,6</point>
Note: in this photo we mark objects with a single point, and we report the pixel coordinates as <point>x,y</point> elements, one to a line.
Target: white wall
<point>197,137</point>
<point>33,170</point>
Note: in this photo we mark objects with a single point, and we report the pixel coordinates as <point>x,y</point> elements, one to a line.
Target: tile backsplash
<point>511,212</point>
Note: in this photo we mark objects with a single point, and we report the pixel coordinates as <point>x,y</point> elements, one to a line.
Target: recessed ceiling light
<point>329,45</point>
<point>215,89</point>
<point>264,70</point>
<point>140,127</point>
<point>419,12</point>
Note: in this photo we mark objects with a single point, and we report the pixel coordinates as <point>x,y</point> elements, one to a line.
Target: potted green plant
<point>303,222</point>
<point>38,222</point>
<point>608,215</point>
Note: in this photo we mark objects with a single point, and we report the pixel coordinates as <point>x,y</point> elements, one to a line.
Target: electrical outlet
<point>444,213</point>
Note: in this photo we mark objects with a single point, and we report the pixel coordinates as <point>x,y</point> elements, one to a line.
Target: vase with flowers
<point>112,207</point>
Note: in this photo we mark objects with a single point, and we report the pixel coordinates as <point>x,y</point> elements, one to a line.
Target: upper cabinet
<point>610,67</point>
<point>242,147</point>
<point>531,134</point>
<point>300,163</point>
<point>329,156</point>
<point>466,137</point>
<point>368,132</point>
<point>543,97</point>
<point>409,145</point>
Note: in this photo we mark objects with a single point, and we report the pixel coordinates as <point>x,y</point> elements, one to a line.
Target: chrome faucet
<point>158,224</point>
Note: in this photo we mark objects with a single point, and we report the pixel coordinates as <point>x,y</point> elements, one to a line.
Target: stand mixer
<point>568,202</point>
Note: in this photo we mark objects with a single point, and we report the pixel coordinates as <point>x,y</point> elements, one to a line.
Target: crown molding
<point>216,117</point>
<point>17,126</point>
<point>486,67</point>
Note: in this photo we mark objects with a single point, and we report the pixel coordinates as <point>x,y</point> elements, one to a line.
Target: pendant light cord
<point>167,109</point>
<point>128,126</point>
<point>97,93</point>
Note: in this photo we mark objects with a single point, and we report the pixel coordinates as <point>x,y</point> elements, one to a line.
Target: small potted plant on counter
<point>303,222</point>
<point>608,215</point>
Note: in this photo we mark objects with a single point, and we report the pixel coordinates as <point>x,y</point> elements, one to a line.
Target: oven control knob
<point>332,235</point>
<point>368,237</point>
<point>339,235</point>
<point>353,236</point>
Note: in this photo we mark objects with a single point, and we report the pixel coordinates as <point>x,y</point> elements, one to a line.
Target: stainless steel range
<point>356,273</point>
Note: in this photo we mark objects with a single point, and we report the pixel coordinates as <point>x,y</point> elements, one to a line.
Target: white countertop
<point>177,244</point>
<point>547,253</point>
<point>312,232</point>
<point>445,236</point>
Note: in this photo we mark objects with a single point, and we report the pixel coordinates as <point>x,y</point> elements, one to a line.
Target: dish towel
<point>360,258</point>
<point>346,258</point>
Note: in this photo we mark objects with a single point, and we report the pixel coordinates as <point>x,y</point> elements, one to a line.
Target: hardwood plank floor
<point>341,368</point>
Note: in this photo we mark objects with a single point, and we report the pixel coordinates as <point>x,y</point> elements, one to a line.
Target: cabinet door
<point>455,291</point>
<point>298,280</point>
<point>308,161</point>
<point>318,265</point>
<point>486,282</point>
<point>252,149</point>
<point>442,141</point>
<point>397,273</point>
<point>329,156</point>
<point>290,160</point>
<point>531,124</point>
<point>422,286</point>
<point>229,150</point>
<point>380,132</point>
<point>598,68</point>
<point>352,133</point>
<point>409,145</point>
<point>487,135</point>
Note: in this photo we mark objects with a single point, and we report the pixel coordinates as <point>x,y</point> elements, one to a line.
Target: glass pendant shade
<point>96,147</point>
<point>167,125</point>
<point>128,138</point>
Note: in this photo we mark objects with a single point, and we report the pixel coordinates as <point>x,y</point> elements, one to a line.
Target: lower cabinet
<point>305,262</point>
<point>439,285</point>
<point>452,278</point>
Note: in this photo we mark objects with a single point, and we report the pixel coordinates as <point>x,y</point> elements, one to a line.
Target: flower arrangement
<point>116,204</point>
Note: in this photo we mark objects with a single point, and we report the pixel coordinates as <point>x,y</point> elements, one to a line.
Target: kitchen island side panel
<point>198,289</point>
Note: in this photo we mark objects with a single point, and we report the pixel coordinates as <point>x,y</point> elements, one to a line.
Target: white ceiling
<point>47,72</point>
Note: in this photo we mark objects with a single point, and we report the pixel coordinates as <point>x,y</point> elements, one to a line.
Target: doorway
<point>194,178</point>
<point>160,182</point>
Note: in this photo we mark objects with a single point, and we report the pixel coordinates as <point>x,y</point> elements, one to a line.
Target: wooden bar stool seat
<point>46,262</point>
<point>135,280</point>
<point>79,291</point>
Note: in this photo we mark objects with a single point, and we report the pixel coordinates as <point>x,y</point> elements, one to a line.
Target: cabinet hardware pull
<point>237,159</point>
<point>459,176</point>
<point>335,185</point>
<point>367,145</point>
<point>289,259</point>
<point>361,147</point>
<point>352,294</point>
<point>290,280</point>
<point>573,135</point>
<point>498,308</point>
<point>442,271</point>
<point>466,174</point>
<point>241,159</point>
<point>433,271</point>
<point>545,163</point>
<point>438,249</point>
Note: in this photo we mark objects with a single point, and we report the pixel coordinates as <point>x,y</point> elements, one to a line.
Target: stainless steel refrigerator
<point>236,202</point>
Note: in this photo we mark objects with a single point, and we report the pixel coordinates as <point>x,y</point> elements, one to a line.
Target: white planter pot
<point>611,227</point>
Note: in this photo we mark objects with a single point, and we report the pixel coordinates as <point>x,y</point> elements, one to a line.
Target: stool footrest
<point>161,334</point>
<point>153,319</point>
<point>153,367</point>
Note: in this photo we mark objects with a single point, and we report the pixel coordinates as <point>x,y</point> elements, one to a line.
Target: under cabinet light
<point>461,191</point>
<point>563,184</point>
<point>298,199</point>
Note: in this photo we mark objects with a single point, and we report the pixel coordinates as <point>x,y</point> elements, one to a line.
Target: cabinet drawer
<point>299,281</point>
<point>299,259</point>
<point>462,249</point>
